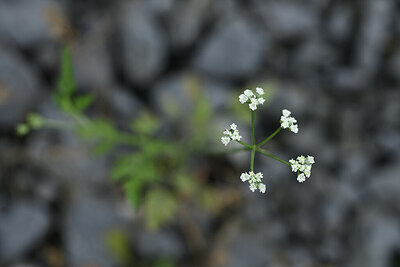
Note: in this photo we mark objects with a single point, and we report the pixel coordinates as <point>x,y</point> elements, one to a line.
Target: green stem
<point>244,144</point>
<point>253,153</point>
<point>234,150</point>
<point>270,137</point>
<point>265,153</point>
<point>253,141</point>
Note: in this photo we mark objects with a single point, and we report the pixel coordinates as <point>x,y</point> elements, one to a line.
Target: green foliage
<point>120,247</point>
<point>22,129</point>
<point>64,95</point>
<point>154,172</point>
<point>160,206</point>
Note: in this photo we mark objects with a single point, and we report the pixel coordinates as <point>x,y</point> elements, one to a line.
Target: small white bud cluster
<point>289,122</point>
<point>302,165</point>
<point>254,181</point>
<point>253,99</point>
<point>231,134</point>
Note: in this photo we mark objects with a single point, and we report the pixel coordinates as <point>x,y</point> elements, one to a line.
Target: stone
<point>288,20</point>
<point>143,44</point>
<point>234,50</point>
<point>19,88</point>
<point>23,224</point>
<point>89,219</point>
<point>160,244</point>
<point>24,22</point>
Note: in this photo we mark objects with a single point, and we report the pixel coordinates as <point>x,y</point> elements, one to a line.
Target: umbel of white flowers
<point>252,99</point>
<point>231,134</point>
<point>288,122</point>
<point>254,181</point>
<point>302,165</point>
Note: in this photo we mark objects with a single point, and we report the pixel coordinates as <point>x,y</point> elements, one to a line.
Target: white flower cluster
<point>302,165</point>
<point>253,99</point>
<point>231,134</point>
<point>289,122</point>
<point>254,181</point>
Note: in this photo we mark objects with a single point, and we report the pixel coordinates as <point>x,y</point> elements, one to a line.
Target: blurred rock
<point>23,225</point>
<point>19,88</point>
<point>92,61</point>
<point>288,20</point>
<point>186,22</point>
<point>89,219</point>
<point>160,244</point>
<point>143,44</point>
<point>340,23</point>
<point>24,22</point>
<point>235,49</point>
<point>369,47</point>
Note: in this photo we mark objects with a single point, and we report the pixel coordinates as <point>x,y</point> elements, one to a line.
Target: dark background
<point>334,64</point>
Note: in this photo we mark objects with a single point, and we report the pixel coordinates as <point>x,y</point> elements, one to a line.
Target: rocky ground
<point>335,64</point>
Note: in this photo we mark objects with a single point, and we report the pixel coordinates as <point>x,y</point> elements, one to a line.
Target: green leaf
<point>82,102</point>
<point>66,83</point>
<point>145,124</point>
<point>133,191</point>
<point>22,129</point>
<point>35,121</point>
<point>160,208</point>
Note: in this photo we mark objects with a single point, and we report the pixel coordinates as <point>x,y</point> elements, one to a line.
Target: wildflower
<point>302,165</point>
<point>252,99</point>
<point>288,122</point>
<point>254,181</point>
<point>231,134</point>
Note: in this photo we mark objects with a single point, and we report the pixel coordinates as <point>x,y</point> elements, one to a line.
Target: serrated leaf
<point>160,208</point>
<point>133,191</point>
<point>82,102</point>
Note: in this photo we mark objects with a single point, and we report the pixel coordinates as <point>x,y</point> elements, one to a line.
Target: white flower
<point>260,101</point>
<point>286,113</point>
<point>243,98</point>
<point>294,128</point>
<point>248,93</point>
<point>231,134</point>
<point>288,122</point>
<point>253,106</point>
<point>301,178</point>
<point>253,187</point>
<point>260,91</point>
<point>262,188</point>
<point>244,177</point>
<point>225,140</point>
<point>254,180</point>
<point>255,100</point>
<point>302,165</point>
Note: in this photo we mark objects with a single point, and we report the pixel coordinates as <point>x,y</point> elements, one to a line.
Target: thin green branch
<point>265,153</point>
<point>270,137</point>
<point>244,144</point>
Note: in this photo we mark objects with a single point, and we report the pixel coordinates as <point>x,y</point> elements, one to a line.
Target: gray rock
<point>288,20</point>
<point>369,47</point>
<point>378,237</point>
<point>394,66</point>
<point>19,88</point>
<point>172,96</point>
<point>160,244</point>
<point>186,22</point>
<point>22,225</point>
<point>143,50</point>
<point>24,22</point>
<point>235,49</point>
<point>88,221</point>
<point>340,23</point>
<point>92,61</point>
